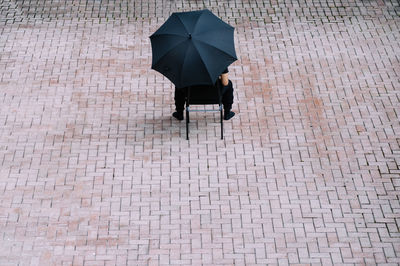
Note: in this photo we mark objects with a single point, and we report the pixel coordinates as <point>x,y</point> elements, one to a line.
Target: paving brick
<point>95,171</point>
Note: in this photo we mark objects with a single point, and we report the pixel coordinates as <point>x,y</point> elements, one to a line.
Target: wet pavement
<point>95,171</point>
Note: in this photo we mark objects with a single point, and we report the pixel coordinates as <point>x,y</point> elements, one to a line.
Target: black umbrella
<point>193,48</point>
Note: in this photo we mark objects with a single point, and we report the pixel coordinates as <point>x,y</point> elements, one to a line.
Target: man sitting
<point>227,98</point>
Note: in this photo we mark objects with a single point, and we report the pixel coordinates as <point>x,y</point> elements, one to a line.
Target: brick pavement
<point>94,171</point>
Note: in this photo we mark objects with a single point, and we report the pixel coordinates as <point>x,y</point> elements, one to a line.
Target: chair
<point>204,95</point>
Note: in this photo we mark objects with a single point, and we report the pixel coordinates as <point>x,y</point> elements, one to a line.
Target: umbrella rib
<point>171,34</point>
<point>222,51</point>
<point>197,21</point>
<point>180,20</point>
<point>166,54</point>
<point>171,48</point>
<point>202,60</point>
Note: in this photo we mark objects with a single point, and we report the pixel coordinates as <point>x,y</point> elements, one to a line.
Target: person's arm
<point>224,79</point>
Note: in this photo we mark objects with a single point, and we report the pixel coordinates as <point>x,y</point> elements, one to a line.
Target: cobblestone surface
<point>94,171</point>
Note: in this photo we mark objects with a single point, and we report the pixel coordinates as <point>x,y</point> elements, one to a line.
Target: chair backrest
<point>204,94</point>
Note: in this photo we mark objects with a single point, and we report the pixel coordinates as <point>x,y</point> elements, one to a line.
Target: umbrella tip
<point>190,36</point>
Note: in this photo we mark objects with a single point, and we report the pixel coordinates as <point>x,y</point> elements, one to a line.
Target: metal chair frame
<point>192,101</point>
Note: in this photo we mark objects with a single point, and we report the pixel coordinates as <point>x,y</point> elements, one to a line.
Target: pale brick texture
<point>95,171</point>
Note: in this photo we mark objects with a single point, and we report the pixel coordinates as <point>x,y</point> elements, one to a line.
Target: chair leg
<point>187,123</point>
<point>222,123</point>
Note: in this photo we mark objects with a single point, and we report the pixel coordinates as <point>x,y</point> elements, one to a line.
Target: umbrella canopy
<point>193,48</point>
